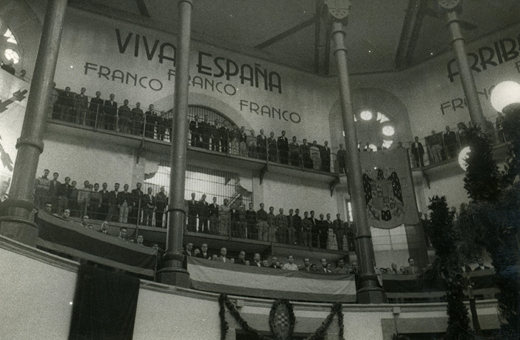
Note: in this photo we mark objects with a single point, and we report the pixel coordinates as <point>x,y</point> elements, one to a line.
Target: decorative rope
<point>322,330</point>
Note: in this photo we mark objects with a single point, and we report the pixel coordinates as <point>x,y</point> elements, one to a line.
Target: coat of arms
<point>384,198</point>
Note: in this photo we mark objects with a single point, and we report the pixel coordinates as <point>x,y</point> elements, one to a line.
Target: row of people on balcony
<point>233,220</point>
<point>257,261</point>
<point>103,228</point>
<point>107,114</point>
<point>221,137</point>
<point>218,136</point>
<point>99,203</point>
<point>443,146</point>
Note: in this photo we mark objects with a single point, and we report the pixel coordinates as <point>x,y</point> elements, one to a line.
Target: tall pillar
<point>466,76</point>
<point>16,221</point>
<point>369,290</point>
<point>173,273</point>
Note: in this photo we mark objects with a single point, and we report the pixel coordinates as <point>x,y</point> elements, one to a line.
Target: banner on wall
<point>389,194</point>
<point>71,238</point>
<point>229,278</point>
<point>13,102</point>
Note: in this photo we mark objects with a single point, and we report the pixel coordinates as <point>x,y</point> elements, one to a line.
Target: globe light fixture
<point>505,96</point>
<point>463,155</point>
<point>366,115</point>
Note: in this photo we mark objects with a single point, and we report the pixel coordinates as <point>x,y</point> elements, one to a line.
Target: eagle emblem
<point>384,198</point>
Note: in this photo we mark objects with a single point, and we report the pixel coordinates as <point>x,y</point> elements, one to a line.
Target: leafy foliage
<point>445,238</point>
<point>495,204</point>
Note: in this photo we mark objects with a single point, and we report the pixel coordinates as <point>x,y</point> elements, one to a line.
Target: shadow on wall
<point>373,100</point>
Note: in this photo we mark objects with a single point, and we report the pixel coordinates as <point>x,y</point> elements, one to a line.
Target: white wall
<point>37,291</point>
<point>291,192</point>
<point>87,159</point>
<point>36,298</point>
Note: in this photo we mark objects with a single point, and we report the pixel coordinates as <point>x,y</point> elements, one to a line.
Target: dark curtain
<point>104,305</point>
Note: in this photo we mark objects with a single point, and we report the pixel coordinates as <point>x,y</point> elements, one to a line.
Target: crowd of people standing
<point>218,135</point>
<point>234,220</point>
<point>100,203</point>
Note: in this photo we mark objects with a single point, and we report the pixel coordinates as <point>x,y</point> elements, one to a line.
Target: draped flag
<point>389,194</point>
<point>104,306</point>
<point>73,239</point>
<point>230,278</point>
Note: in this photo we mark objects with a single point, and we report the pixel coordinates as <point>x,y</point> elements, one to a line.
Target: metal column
<point>468,82</point>
<point>17,221</point>
<point>369,289</point>
<point>173,273</point>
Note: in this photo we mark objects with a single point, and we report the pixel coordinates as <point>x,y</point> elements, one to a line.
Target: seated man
<point>222,257</point>
<point>188,249</point>
<point>85,222</point>
<point>412,268</point>
<point>341,269</point>
<point>66,215</point>
<point>257,260</point>
<point>481,265</point>
<point>104,228</point>
<point>290,265</point>
<point>204,252</point>
<point>123,234</point>
<point>241,258</point>
<point>306,265</point>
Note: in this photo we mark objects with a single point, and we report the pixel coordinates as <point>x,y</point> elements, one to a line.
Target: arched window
<point>202,111</point>
<point>375,130</point>
<point>10,46</point>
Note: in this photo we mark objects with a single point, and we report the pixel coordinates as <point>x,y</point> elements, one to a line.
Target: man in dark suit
<point>195,132</point>
<point>450,141</point>
<point>103,210</point>
<point>323,230</point>
<point>215,136</point>
<point>213,216</point>
<point>110,113</point>
<point>161,201</point>
<point>241,258</point>
<point>137,194</point>
<point>137,120</point>
<point>124,202</point>
<point>148,207</point>
<point>315,231</point>
<point>162,124</point>
<point>203,252</point>
<point>54,188</point>
<point>283,148</point>
<point>192,213</point>
<point>150,119</point>
<point>418,153</point>
<point>113,204</point>
<point>223,133</point>
<point>96,111</point>
<point>481,265</point>
<point>252,230</point>
<point>205,132</point>
<point>339,230</point>
<point>261,145</point>
<point>325,157</point>
<point>203,211</point>
<point>273,148</point>
<point>235,216</point>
